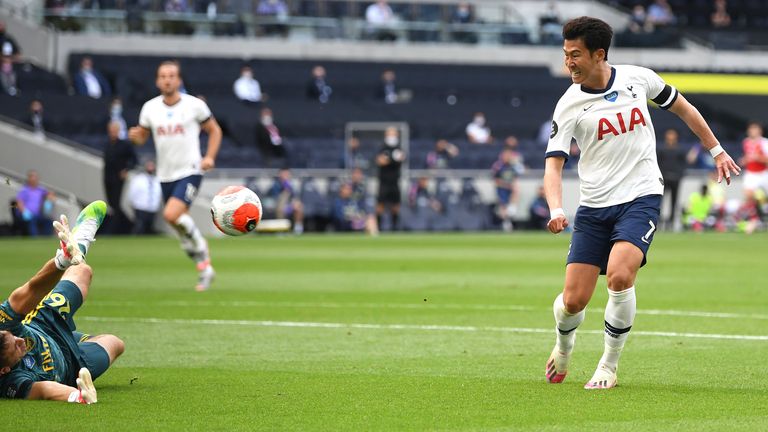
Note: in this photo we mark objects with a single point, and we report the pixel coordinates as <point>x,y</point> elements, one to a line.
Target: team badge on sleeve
<point>554,130</point>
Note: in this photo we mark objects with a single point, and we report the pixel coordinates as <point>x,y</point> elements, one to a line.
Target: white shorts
<point>755,180</point>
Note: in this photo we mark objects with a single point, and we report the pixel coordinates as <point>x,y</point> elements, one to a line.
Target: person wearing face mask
<point>116,116</point>
<point>463,14</point>
<point>477,131</point>
<point>8,45</point>
<point>390,161</point>
<point>247,88</point>
<point>36,118</point>
<point>268,138</point>
<point>145,196</point>
<point>90,82</point>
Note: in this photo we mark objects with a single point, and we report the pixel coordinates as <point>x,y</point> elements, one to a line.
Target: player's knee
<point>114,346</point>
<point>170,216</point>
<point>119,346</point>
<point>620,280</point>
<point>81,273</point>
<point>574,303</point>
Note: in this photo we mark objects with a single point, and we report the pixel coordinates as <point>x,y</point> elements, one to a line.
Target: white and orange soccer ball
<point>236,210</point>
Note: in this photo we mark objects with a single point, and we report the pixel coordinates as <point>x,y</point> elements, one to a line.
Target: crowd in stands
<point>726,24</point>
<point>270,122</point>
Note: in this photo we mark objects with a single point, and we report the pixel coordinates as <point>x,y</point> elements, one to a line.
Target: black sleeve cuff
<point>557,153</point>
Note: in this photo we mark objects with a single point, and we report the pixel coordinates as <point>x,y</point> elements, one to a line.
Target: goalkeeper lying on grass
<point>41,354</point>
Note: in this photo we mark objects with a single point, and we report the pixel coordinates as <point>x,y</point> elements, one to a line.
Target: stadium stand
<point>443,97</point>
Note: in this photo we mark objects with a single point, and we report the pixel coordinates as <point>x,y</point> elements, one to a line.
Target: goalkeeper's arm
<point>85,393</point>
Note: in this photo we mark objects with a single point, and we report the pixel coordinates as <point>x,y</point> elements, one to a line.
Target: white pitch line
<point>424,305</point>
<point>332,325</point>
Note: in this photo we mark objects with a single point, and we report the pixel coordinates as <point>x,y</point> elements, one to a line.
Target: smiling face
<point>583,64</point>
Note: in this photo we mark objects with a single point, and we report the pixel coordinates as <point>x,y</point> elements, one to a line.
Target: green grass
<point>227,359</point>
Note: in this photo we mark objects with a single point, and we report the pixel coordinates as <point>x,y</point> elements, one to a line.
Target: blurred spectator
<point>268,138</point>
<point>550,27</point>
<point>696,215</point>
<point>505,177</point>
<point>317,88</point>
<point>639,23</point>
<point>512,143</point>
<point>660,14</point>
<point>90,82</point>
<point>381,21</point>
<point>348,212</point>
<point>574,155</point>
<point>672,162</point>
<point>36,118</point>
<point>119,158</point>
<point>116,116</point>
<point>176,6</point>
<point>538,212</point>
<point>419,196</point>
<point>278,10</point>
<point>246,88</point>
<point>34,205</point>
<point>360,194</point>
<point>353,155</point>
<point>748,218</point>
<point>8,45</point>
<point>387,90</point>
<point>477,130</point>
<point>698,158</point>
<point>441,156</point>
<point>720,17</point>
<point>145,196</point>
<point>389,160</point>
<point>8,76</point>
<point>755,159</point>
<point>463,14</point>
<point>288,205</point>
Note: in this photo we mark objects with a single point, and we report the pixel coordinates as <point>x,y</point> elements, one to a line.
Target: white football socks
<point>566,325</point>
<point>619,316</point>
<point>192,241</point>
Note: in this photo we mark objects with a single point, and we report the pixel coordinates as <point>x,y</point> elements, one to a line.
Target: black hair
<point>3,347</point>
<point>595,33</point>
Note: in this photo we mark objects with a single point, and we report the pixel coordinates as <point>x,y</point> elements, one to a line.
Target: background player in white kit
<point>606,112</point>
<point>175,121</point>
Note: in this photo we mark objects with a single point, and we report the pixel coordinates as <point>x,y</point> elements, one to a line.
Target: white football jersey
<point>176,133</point>
<point>613,130</point>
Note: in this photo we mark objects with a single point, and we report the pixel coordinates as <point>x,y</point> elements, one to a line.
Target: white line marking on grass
<point>332,325</point>
<point>425,305</point>
<point>320,305</point>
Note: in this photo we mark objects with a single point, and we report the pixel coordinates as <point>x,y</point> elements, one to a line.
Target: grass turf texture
<point>227,359</point>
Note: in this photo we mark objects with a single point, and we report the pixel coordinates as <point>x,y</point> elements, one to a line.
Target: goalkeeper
<point>41,354</point>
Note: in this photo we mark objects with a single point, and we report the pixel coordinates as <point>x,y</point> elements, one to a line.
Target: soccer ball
<point>236,210</point>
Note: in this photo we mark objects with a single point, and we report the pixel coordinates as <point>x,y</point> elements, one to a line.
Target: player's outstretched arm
<point>212,128</point>
<point>553,189</point>
<point>138,135</point>
<point>692,117</point>
<point>85,393</point>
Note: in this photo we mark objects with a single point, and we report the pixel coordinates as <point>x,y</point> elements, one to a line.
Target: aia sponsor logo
<point>606,126</point>
<point>169,130</point>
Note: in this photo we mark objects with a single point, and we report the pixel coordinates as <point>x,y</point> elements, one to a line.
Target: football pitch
<point>407,333</point>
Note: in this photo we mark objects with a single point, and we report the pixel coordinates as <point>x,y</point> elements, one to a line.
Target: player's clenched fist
<point>137,135</point>
<point>557,224</point>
